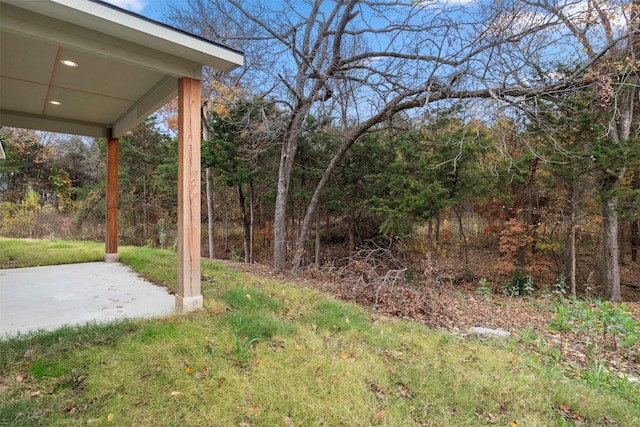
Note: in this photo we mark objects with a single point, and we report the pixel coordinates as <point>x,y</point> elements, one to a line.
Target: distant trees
<point>239,149</point>
<point>365,61</point>
<point>355,116</point>
<point>436,167</point>
<point>28,164</point>
<point>148,174</point>
<point>606,40</point>
<point>66,173</point>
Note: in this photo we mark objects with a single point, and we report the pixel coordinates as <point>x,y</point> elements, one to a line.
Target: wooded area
<point>406,144</point>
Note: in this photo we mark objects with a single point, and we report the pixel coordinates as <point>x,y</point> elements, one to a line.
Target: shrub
<point>521,284</point>
<point>19,219</point>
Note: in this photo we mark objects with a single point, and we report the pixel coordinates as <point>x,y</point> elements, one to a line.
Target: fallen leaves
<point>402,389</point>
<point>567,412</point>
<point>382,414</point>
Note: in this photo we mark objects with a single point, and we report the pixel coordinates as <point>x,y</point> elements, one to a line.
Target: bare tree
<point>607,33</point>
<point>365,61</point>
<point>368,61</point>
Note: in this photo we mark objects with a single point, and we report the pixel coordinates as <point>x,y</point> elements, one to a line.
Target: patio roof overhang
<point>87,68</point>
<point>126,66</point>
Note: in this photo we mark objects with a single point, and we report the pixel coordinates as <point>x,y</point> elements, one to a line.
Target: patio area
<point>46,298</point>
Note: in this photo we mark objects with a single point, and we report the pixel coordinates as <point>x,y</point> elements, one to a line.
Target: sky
<point>153,9</point>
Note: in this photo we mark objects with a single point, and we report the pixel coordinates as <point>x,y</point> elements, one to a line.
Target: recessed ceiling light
<point>55,102</point>
<point>69,63</point>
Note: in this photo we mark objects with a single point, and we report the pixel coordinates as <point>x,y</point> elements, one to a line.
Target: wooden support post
<point>188,297</point>
<point>111,238</point>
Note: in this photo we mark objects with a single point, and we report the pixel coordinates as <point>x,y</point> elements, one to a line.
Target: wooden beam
<point>111,238</point>
<point>188,297</point>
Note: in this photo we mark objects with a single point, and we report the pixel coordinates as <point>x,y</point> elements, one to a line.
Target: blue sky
<point>153,9</point>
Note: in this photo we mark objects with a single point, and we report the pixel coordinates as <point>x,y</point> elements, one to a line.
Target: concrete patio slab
<point>49,297</point>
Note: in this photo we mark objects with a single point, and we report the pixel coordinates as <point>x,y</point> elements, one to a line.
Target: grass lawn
<point>266,353</point>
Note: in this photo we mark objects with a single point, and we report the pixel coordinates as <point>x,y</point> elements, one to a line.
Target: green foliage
<point>158,331</point>
<point>355,183</point>
<point>558,290</point>
<point>598,319</point>
<point>61,182</point>
<point>241,138</point>
<point>242,298</point>
<point>19,219</point>
<point>563,317</point>
<point>252,319</point>
<point>484,289</point>
<point>148,183</point>
<point>436,166</point>
<point>561,286</point>
<point>333,316</point>
<point>241,331</point>
<point>46,368</point>
<point>521,284</point>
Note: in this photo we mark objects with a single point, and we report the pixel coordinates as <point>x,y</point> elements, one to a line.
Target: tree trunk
<point>225,237</point>
<point>145,211</point>
<point>635,240</point>
<point>429,242</point>
<point>318,238</point>
<point>251,222</point>
<point>462,235</point>
<point>287,156</point>
<point>210,213</point>
<point>206,136</point>
<point>620,126</point>
<point>622,242</point>
<point>610,268</point>
<point>245,222</point>
<point>572,239</point>
<point>352,236</point>
<point>317,194</point>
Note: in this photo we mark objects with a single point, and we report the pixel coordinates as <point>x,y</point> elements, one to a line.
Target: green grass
<point>17,253</point>
<point>317,361</point>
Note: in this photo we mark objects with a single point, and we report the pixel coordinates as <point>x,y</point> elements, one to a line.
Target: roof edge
<point>129,26</point>
<point>162,24</point>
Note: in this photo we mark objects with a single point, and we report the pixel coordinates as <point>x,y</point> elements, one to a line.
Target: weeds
<point>334,316</point>
<point>244,345</point>
<point>603,323</point>
<point>483,289</point>
<point>521,285</point>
